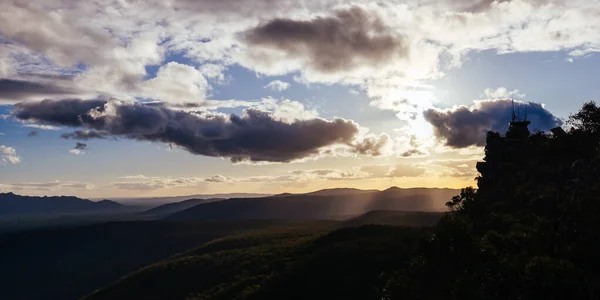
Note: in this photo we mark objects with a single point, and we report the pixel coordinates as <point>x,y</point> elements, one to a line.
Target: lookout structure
<point>504,154</point>
<point>518,127</point>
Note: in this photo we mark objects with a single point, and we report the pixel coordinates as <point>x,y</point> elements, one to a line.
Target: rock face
<point>12,204</point>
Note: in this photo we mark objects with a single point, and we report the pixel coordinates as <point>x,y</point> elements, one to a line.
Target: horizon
<point>156,99</point>
<point>117,198</point>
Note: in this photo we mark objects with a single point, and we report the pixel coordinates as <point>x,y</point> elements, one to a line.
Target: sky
<point>139,98</point>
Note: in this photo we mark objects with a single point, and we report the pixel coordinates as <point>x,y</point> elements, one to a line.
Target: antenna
<point>514,116</point>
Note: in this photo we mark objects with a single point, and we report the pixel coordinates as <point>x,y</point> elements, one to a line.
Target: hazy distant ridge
<point>171,208</point>
<point>12,204</point>
<point>324,204</point>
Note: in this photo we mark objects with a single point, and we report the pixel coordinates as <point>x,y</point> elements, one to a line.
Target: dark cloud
<point>412,152</point>
<point>85,135</point>
<point>21,89</point>
<point>68,112</point>
<point>480,5</point>
<point>80,146</point>
<point>371,145</point>
<point>256,135</point>
<point>349,39</point>
<point>466,126</point>
<point>33,133</point>
<point>477,6</point>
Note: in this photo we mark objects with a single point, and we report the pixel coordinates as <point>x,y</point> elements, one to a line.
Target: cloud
<point>277,85</point>
<point>85,135</point>
<point>376,170</point>
<point>463,168</point>
<point>217,179</point>
<point>464,126</point>
<point>406,171</point>
<point>214,72</point>
<point>255,136</point>
<point>349,39</point>
<point>384,49</point>
<point>45,186</point>
<point>288,110</point>
<point>13,90</point>
<point>374,145</point>
<point>33,133</point>
<point>8,155</point>
<point>141,182</point>
<point>502,93</point>
<point>137,186</point>
<point>176,83</point>
<point>78,149</point>
<point>39,126</point>
<point>412,153</point>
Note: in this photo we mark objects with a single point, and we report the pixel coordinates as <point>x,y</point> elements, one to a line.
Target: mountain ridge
<point>13,204</point>
<point>324,204</point>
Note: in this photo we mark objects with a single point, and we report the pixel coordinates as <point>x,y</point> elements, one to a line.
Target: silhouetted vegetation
<point>531,229</point>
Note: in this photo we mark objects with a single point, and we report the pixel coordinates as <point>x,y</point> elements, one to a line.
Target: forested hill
<point>531,229</point>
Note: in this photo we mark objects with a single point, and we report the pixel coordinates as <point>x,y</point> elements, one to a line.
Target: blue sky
<point>359,105</point>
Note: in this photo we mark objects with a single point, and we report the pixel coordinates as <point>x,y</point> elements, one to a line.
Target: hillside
<point>11,205</point>
<point>170,208</point>
<point>69,263</point>
<point>320,205</point>
<point>290,263</point>
<point>395,218</point>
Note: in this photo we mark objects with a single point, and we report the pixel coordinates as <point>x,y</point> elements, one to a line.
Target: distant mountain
<point>325,204</point>
<point>11,205</point>
<point>171,208</point>
<point>157,201</point>
<point>330,192</point>
<point>395,218</point>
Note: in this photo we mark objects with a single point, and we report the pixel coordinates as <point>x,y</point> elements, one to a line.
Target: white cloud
<point>141,182</point>
<point>214,71</point>
<point>502,93</point>
<point>277,85</point>
<point>288,110</point>
<point>40,126</point>
<point>77,151</point>
<point>8,155</point>
<point>176,83</point>
<point>217,179</point>
<point>49,186</point>
<point>106,40</point>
